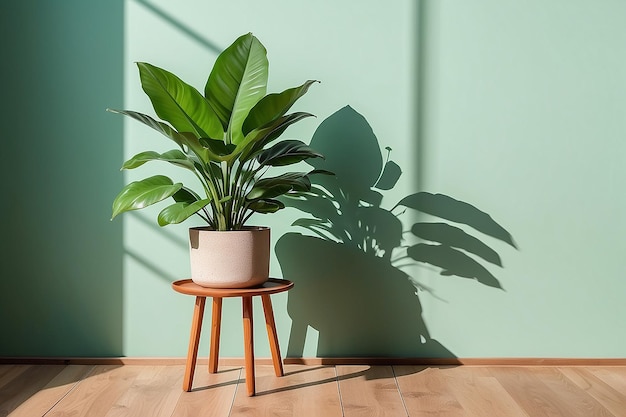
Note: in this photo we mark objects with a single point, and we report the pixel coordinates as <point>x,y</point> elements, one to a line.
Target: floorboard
<point>314,390</point>
<point>54,391</point>
<point>480,394</point>
<point>154,392</point>
<point>369,391</point>
<point>426,392</point>
<point>303,391</point>
<point>98,393</point>
<point>25,383</point>
<point>613,398</point>
<point>211,394</point>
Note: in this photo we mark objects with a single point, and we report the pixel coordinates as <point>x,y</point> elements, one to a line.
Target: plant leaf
<point>273,106</point>
<point>180,211</point>
<point>236,83</point>
<point>184,139</point>
<point>256,140</point>
<point>140,194</point>
<point>179,103</point>
<point>186,195</point>
<point>277,186</point>
<point>269,191</point>
<point>266,206</point>
<point>217,146</point>
<point>287,152</point>
<point>160,127</point>
<point>321,172</point>
<point>174,156</point>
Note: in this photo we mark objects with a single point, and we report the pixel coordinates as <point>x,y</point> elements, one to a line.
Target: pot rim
<point>243,229</point>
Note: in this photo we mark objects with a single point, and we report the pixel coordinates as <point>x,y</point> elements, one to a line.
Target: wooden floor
<point>304,391</point>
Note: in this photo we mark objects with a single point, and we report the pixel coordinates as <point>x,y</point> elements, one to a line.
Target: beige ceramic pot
<point>230,259</point>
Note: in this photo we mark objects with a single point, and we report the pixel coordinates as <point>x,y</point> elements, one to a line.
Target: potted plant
<point>228,139</point>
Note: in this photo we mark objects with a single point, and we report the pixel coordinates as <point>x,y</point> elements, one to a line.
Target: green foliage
<point>223,137</point>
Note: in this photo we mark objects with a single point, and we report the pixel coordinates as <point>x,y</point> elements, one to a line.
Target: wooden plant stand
<point>272,286</point>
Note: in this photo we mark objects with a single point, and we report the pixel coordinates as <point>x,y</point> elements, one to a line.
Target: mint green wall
<point>336,42</point>
<point>61,259</point>
<point>514,108</point>
<point>517,109</point>
<point>524,114</point>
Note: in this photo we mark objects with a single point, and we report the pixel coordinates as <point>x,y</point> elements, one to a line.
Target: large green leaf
<point>273,106</point>
<point>268,191</point>
<point>179,103</point>
<point>184,140</point>
<point>256,140</point>
<point>217,147</point>
<point>160,127</point>
<point>236,83</point>
<point>186,195</point>
<point>174,156</point>
<point>140,194</point>
<point>287,152</point>
<point>266,206</point>
<point>277,186</point>
<point>181,211</point>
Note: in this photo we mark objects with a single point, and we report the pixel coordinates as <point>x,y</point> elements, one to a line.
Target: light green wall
<point>364,57</point>
<point>516,108</point>
<point>524,115</point>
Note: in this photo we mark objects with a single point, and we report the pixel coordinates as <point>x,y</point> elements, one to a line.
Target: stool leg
<point>194,340</point>
<point>248,343</point>
<point>216,324</point>
<point>272,335</point>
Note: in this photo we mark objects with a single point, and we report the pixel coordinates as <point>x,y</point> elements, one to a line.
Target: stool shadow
<point>367,374</point>
<point>237,379</point>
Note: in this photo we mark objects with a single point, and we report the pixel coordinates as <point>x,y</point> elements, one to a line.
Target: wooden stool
<point>272,286</point>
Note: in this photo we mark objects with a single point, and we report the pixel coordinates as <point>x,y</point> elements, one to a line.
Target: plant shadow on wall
<point>348,269</point>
